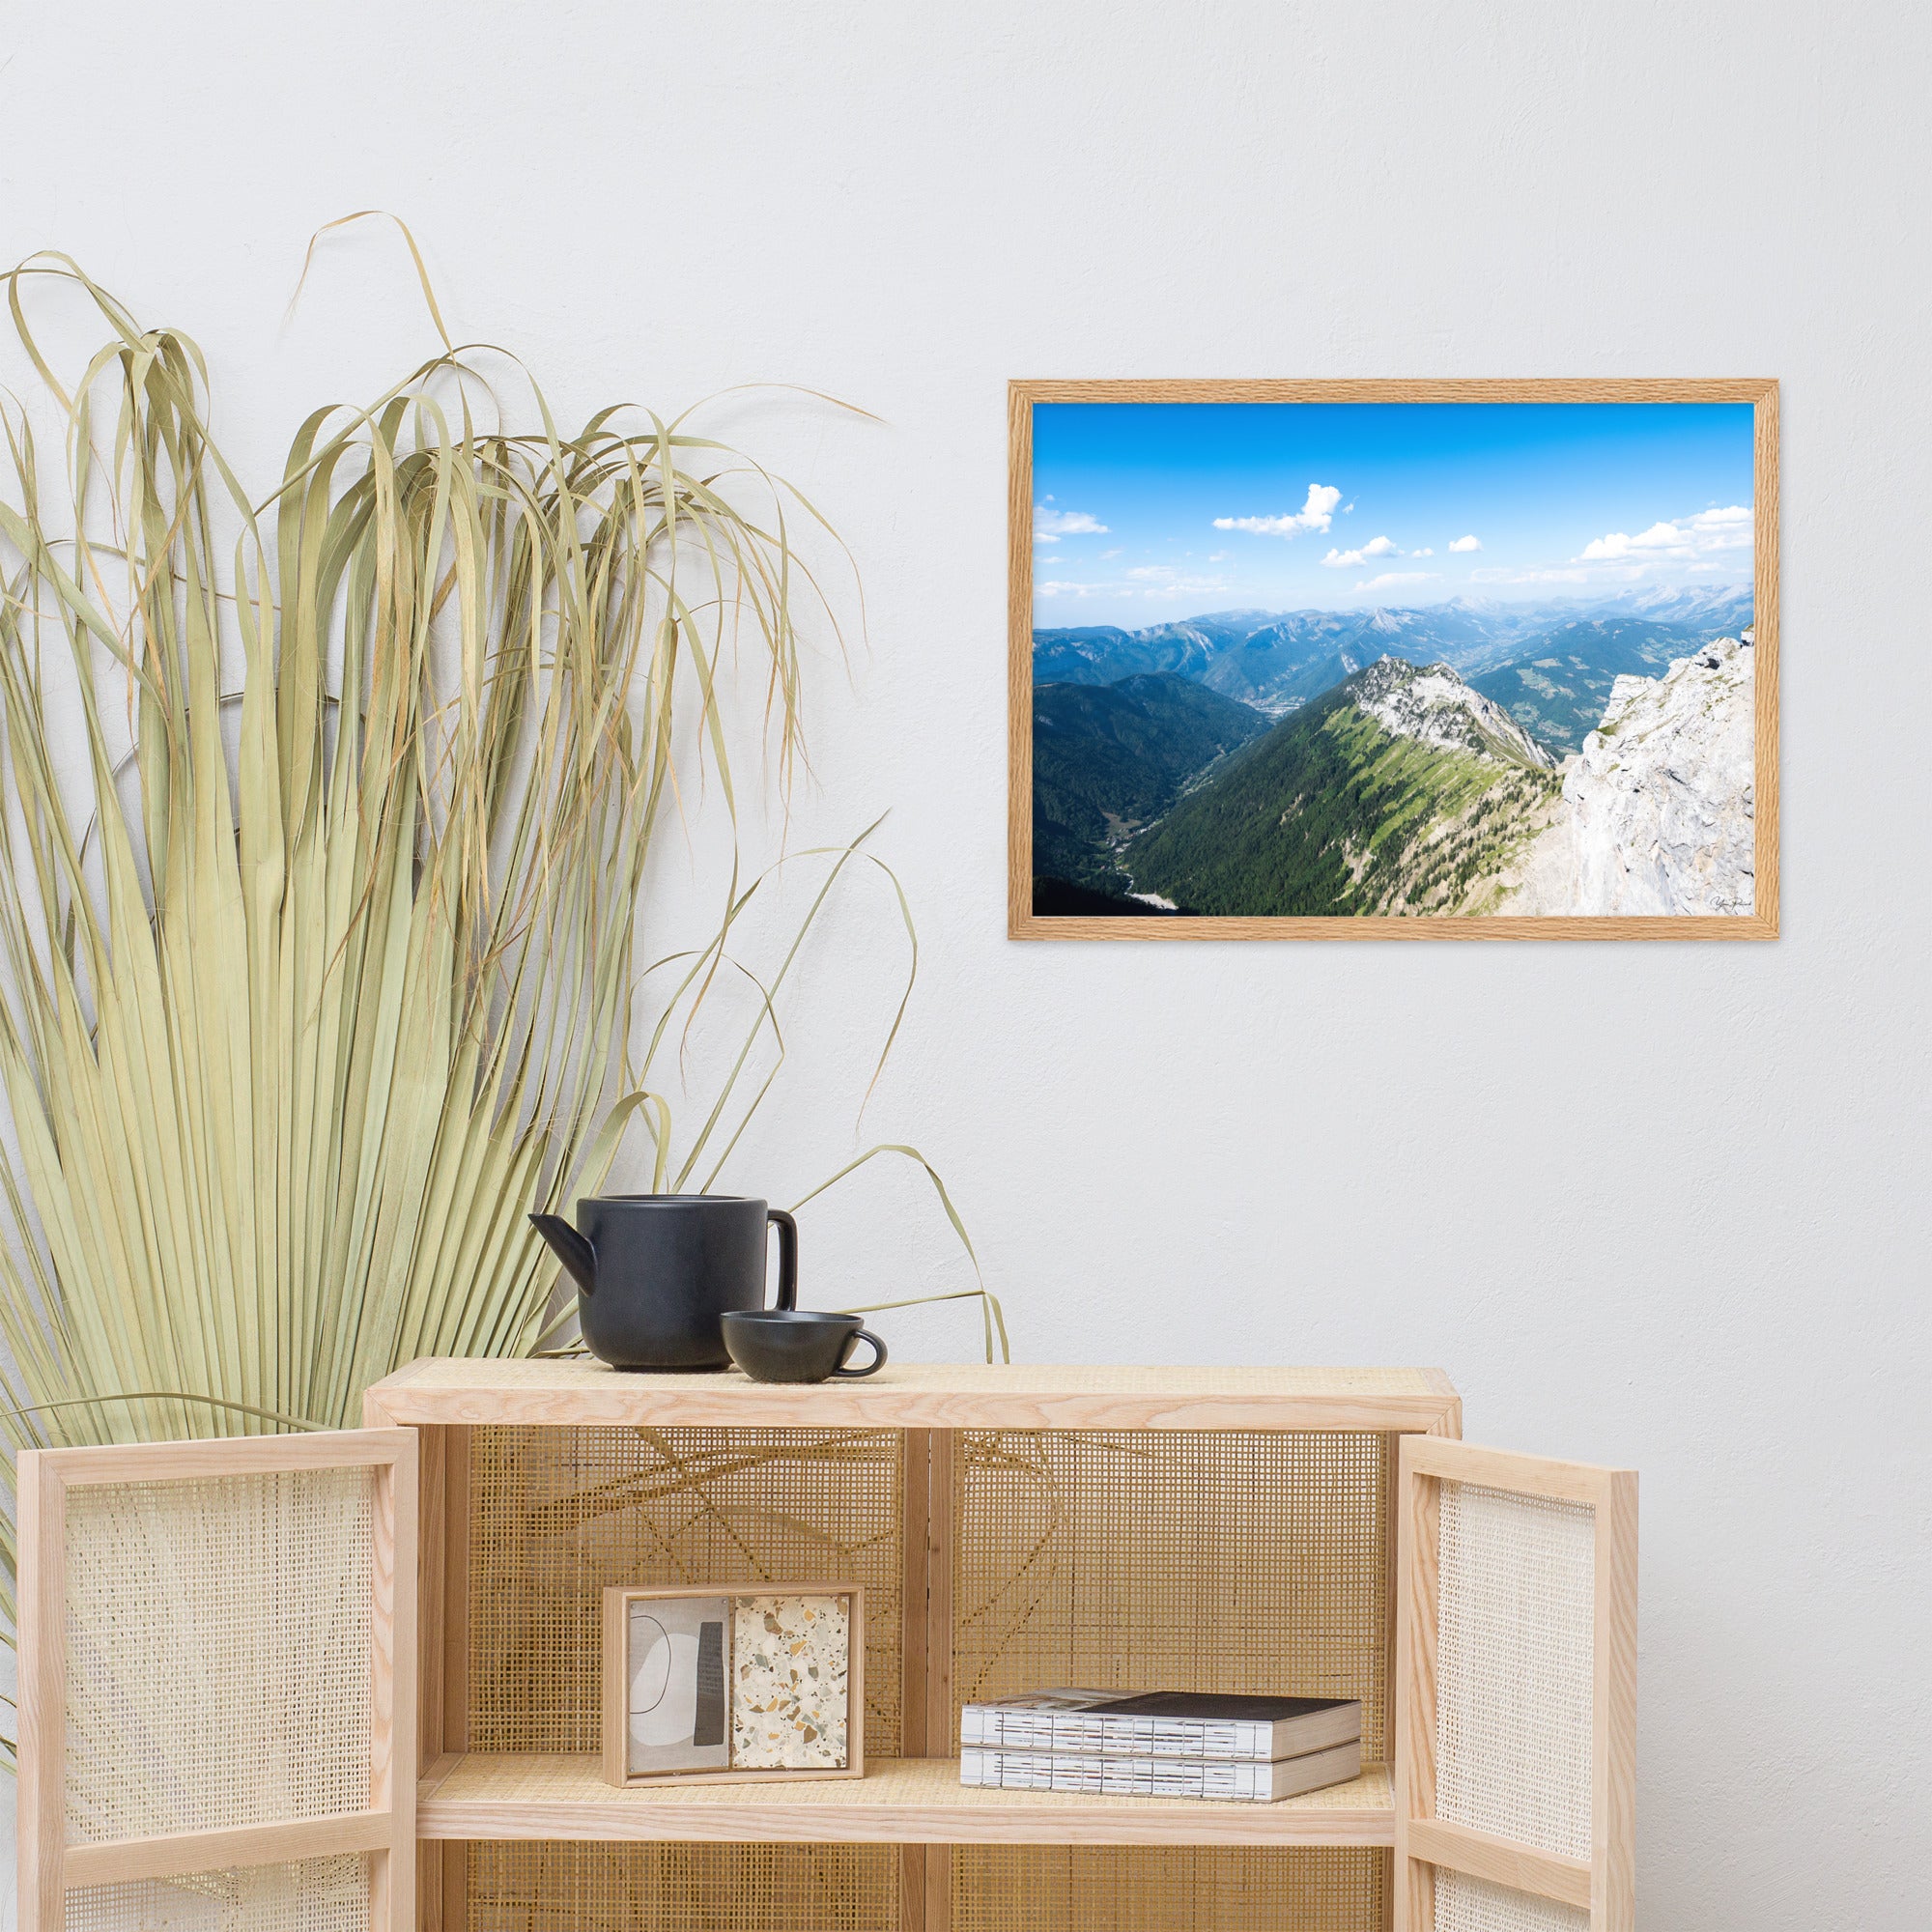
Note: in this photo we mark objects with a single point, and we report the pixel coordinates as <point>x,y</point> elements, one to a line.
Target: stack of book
<point>1164,1744</point>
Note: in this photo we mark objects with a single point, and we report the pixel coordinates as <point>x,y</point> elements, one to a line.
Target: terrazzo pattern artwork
<point>790,1683</point>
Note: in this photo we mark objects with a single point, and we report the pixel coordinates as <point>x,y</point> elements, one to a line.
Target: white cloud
<point>1065,589</point>
<point>1424,550</point>
<point>1389,579</point>
<point>1711,541</point>
<point>1219,555</point>
<point>1314,515</point>
<point>1354,559</point>
<point>1347,507</point>
<point>1050,525</point>
<point>1728,529</point>
<point>1665,538</point>
<point>1107,554</point>
<point>1680,540</point>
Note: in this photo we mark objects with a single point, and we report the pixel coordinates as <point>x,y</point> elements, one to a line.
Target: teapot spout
<point>570,1248</point>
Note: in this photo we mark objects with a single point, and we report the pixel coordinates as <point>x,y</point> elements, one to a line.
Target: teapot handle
<point>787,1257</point>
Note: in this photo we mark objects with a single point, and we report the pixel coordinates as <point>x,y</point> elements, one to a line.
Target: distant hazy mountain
<point>1279,659</point>
<point>1107,758</point>
<point>1401,790</point>
<point>1721,611</point>
<point>1104,653</point>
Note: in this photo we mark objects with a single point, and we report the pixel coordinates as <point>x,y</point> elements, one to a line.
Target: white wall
<point>1660,1204</point>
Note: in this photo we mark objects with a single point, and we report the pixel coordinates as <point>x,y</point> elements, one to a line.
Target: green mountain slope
<point>1336,812</point>
<point>1108,757</point>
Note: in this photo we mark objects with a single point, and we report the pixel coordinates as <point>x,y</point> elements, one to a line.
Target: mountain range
<point>1278,661</point>
<point>1613,772</point>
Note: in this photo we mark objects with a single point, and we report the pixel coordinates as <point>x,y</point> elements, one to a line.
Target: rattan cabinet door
<point>217,1685</point>
<point>1516,1692</point>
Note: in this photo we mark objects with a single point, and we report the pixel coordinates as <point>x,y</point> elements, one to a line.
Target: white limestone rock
<point>1433,707</point>
<point>1659,804</point>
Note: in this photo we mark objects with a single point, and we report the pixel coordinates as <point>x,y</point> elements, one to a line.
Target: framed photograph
<point>754,1685</point>
<point>1393,660</point>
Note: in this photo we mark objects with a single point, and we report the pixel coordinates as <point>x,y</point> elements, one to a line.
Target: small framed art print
<point>711,1682</point>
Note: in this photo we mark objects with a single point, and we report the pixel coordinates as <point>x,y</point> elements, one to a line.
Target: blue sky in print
<point>1145,512</point>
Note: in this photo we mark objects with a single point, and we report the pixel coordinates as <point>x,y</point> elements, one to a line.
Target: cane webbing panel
<point>1241,1561</point>
<point>313,1895</point>
<point>1464,1904</point>
<point>558,1514</point>
<point>217,1652</point>
<point>1514,1667</point>
<point>1138,1888</point>
<point>538,1887</point>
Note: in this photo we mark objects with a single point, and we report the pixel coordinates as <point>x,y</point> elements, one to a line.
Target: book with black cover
<point>1162,1724</point>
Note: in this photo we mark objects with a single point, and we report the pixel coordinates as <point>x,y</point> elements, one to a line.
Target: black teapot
<point>655,1272</point>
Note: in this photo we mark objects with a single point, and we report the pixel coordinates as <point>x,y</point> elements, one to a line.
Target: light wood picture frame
<point>191,1555</point>
<point>1461,850</point>
<point>1552,1545</point>
<point>616,1675</point>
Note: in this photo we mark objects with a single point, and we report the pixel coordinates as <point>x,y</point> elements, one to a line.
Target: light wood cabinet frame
<point>418,1446</point>
<point>1603,1886</point>
<point>50,1866</point>
<point>915,1802</point>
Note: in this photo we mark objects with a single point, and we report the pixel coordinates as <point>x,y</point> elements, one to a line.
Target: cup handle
<point>873,1367</point>
<point>787,1257</point>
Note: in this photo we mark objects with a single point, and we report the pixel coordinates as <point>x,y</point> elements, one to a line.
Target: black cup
<point>789,1345</point>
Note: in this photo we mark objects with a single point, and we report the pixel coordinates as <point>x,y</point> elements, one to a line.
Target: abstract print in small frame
<point>751,1684</point>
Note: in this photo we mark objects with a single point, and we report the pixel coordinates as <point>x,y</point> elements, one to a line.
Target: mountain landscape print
<point>1454,661</point>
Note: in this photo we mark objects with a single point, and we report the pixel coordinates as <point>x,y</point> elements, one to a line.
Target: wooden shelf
<point>531,1394</point>
<point>898,1801</point>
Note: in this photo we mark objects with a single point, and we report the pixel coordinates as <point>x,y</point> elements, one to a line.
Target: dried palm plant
<point>318,971</point>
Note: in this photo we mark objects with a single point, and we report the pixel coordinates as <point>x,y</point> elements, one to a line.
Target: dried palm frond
<point>319,970</point>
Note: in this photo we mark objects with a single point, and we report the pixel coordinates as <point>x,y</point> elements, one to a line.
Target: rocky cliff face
<point>1433,707</point>
<point>1658,807</point>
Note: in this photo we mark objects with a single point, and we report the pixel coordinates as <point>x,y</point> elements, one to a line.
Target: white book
<point>1229,1781</point>
<point>1162,1724</point>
